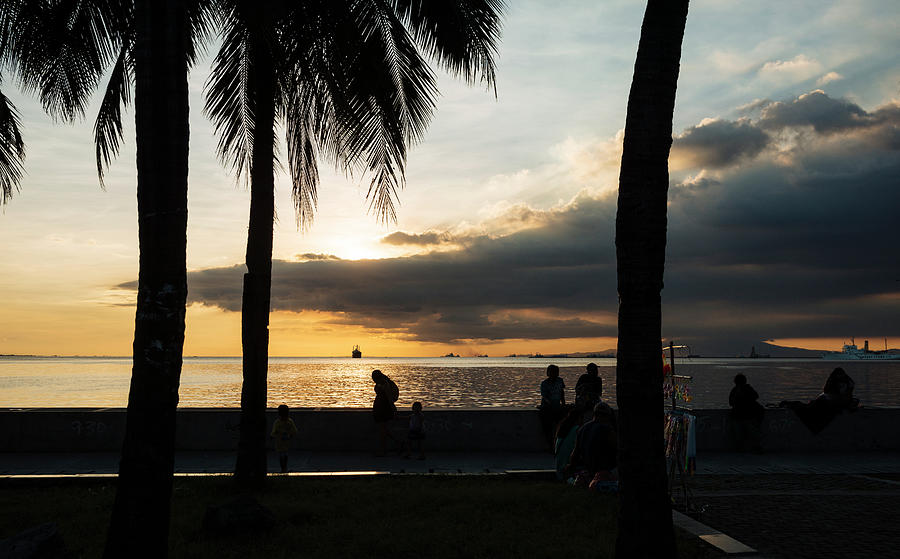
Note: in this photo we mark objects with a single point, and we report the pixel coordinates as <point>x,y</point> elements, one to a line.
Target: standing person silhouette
<point>553,398</point>
<point>383,409</point>
<point>746,415</point>
<point>283,431</point>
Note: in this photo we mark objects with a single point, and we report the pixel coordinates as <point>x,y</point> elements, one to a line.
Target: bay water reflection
<point>436,382</point>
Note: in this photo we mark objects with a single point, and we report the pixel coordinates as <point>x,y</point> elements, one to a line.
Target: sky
<point>784,198</point>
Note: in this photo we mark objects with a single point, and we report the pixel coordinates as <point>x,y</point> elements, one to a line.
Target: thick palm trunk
<point>645,517</point>
<point>251,461</point>
<point>140,519</point>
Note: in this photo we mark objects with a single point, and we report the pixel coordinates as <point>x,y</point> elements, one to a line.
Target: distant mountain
<point>761,349</point>
<point>784,351</point>
<point>606,353</point>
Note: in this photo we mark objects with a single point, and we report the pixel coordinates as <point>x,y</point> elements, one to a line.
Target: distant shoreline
<point>373,357</point>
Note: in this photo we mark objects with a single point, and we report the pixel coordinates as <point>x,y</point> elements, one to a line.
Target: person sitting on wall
<point>838,390</point>
<point>745,419</point>
<point>553,398</point>
<point>836,398</point>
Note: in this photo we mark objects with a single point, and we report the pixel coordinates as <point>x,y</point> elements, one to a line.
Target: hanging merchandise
<point>690,454</point>
<point>680,431</point>
<point>679,388</point>
<point>681,439</point>
<point>675,387</point>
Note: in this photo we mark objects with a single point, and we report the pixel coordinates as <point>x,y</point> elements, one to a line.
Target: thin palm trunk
<point>255,305</point>
<point>351,84</point>
<point>645,518</point>
<point>140,518</point>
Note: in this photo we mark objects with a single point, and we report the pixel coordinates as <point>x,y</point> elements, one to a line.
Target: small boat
<point>356,352</point>
<point>852,353</point>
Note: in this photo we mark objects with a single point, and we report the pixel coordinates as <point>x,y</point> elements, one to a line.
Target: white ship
<point>852,353</point>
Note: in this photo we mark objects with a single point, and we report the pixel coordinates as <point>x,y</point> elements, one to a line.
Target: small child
<point>283,431</point>
<point>416,430</point>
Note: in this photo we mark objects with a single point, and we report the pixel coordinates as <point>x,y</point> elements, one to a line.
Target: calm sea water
<point>437,382</point>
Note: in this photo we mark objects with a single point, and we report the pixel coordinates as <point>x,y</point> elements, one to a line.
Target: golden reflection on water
<point>444,383</point>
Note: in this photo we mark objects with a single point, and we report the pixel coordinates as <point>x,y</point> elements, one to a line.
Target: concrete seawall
<point>86,430</point>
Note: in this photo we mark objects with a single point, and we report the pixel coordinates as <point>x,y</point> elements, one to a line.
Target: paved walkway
<point>723,463</point>
<point>805,515</point>
<point>299,461</point>
<point>731,463</point>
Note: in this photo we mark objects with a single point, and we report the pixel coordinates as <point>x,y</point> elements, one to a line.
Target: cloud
<point>782,129</point>
<point>719,143</point>
<point>767,248</point>
<point>429,238</point>
<point>825,114</point>
<point>796,69</point>
<point>753,106</point>
<point>828,78</point>
<point>489,289</point>
<point>306,257</point>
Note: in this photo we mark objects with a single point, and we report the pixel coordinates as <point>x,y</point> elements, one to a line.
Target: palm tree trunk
<point>251,460</point>
<point>645,517</point>
<point>140,518</point>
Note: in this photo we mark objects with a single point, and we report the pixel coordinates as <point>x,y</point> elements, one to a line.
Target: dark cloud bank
<point>776,242</point>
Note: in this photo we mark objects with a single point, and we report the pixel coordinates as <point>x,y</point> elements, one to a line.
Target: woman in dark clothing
<point>383,409</point>
<point>553,398</point>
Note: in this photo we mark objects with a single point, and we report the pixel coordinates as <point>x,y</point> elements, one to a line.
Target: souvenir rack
<point>680,433</point>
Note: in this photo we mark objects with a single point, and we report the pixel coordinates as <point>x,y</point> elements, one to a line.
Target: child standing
<point>283,431</point>
<point>416,430</point>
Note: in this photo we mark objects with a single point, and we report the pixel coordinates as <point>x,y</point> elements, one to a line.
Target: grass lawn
<point>383,516</point>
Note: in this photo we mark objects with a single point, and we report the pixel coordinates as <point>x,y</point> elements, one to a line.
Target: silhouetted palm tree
<point>64,48</point>
<point>645,517</point>
<point>348,82</point>
<point>140,517</point>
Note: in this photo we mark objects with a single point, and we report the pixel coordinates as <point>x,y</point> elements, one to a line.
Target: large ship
<point>356,352</point>
<point>852,353</point>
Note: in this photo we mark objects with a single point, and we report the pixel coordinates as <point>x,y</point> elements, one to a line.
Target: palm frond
<point>229,102</point>
<point>12,149</point>
<point>302,154</point>
<point>396,98</point>
<point>462,35</point>
<point>248,59</point>
<point>201,17</point>
<point>108,125</point>
<point>64,47</point>
<point>9,10</point>
<point>375,95</point>
<point>359,92</point>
